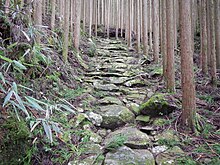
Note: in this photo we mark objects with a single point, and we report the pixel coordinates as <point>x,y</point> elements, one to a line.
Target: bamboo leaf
<point>19,65</point>
<point>6,59</point>
<point>34,104</point>
<point>66,107</point>
<point>48,130</point>
<point>2,78</point>
<point>14,87</point>
<point>7,98</point>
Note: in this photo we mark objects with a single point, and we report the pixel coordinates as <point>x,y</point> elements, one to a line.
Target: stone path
<point>118,85</point>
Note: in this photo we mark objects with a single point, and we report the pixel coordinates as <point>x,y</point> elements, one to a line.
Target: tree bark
<point>52,23</point>
<point>187,74</point>
<point>217,32</point>
<point>164,38</point>
<point>156,31</point>
<point>77,24</point>
<point>212,45</point>
<point>66,30</point>
<point>145,27</point>
<point>170,47</point>
<point>204,37</point>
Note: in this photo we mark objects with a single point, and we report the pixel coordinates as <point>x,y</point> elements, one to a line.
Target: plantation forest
<point>109,82</point>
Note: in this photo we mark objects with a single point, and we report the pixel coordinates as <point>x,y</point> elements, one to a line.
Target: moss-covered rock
<point>125,155</point>
<point>135,139</point>
<point>115,116</point>
<point>159,105</point>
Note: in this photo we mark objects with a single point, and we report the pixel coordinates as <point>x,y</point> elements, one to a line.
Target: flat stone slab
<point>110,100</point>
<point>115,116</point>
<point>127,156</point>
<point>105,87</point>
<point>135,139</point>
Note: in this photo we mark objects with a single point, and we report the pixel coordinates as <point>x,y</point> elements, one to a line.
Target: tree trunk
<point>52,23</point>
<point>150,26</point>
<point>156,30</point>
<point>38,18</point>
<point>138,27</point>
<point>217,32</point>
<point>164,38</point>
<point>170,47</point>
<point>212,45</point>
<point>204,37</point>
<point>188,85</point>
<point>77,24</point>
<point>66,30</point>
<point>145,28</point>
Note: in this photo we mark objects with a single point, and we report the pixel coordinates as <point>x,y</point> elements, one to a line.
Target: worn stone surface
<point>110,100</point>
<point>159,105</point>
<point>127,156</point>
<point>115,116</point>
<point>170,156</point>
<point>134,137</point>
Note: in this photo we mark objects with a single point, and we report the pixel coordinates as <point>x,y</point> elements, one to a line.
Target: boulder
<point>110,100</point>
<point>159,105</point>
<point>170,156</point>
<point>125,155</point>
<point>134,138</point>
<point>115,116</point>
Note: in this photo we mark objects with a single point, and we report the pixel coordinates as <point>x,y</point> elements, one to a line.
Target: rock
<point>94,137</point>
<point>136,83</point>
<point>102,132</point>
<point>159,149</point>
<point>143,118</point>
<point>105,87</point>
<point>167,135</point>
<point>127,156</point>
<point>115,116</point>
<point>169,156</point>
<point>117,80</point>
<point>110,100</point>
<point>92,148</point>
<point>134,138</point>
<point>136,97</point>
<point>134,108</point>
<point>159,105</point>
<point>95,118</point>
<point>90,160</point>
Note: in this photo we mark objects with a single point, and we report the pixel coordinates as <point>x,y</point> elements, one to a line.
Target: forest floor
<point>107,86</point>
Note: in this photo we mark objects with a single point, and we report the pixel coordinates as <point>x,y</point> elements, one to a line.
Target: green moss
<point>15,144</point>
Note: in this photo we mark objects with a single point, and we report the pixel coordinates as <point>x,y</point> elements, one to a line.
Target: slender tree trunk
<point>52,23</point>
<point>164,38</point>
<point>117,19</point>
<point>77,24</point>
<point>150,26</point>
<point>204,37</point>
<point>108,16</point>
<point>212,45</point>
<point>138,27</point>
<point>188,85</point>
<point>38,18</point>
<point>66,30</point>
<point>217,32</point>
<point>90,17</point>
<point>145,27</point>
<point>170,47</point>
<point>156,30</point>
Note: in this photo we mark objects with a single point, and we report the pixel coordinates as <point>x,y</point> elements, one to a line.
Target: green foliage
<point>209,99</point>
<point>15,142</point>
<point>117,142</point>
<point>186,161</point>
<point>168,142</point>
<point>71,93</point>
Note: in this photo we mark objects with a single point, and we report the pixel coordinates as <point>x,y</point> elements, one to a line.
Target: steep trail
<point>117,83</point>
